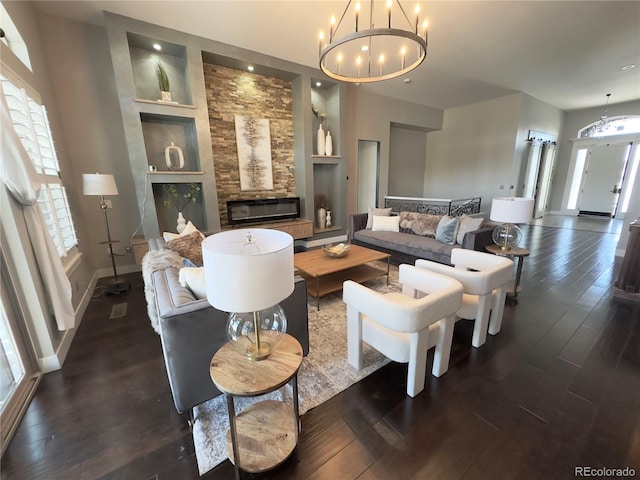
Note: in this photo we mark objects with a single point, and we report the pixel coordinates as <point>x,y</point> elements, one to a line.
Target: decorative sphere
<point>272,325</point>
<point>509,232</point>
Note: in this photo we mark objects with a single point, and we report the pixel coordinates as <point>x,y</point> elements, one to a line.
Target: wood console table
<point>298,228</point>
<point>265,434</point>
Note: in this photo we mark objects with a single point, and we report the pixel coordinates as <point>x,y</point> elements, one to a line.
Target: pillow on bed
<point>385,224</point>
<point>376,211</point>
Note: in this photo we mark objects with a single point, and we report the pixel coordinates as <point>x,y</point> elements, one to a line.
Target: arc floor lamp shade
<point>248,272</point>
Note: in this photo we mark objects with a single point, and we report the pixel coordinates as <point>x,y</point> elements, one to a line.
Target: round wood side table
<point>263,435</point>
<point>515,252</point>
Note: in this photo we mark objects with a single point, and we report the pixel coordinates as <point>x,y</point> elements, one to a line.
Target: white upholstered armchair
<point>402,326</point>
<point>485,278</point>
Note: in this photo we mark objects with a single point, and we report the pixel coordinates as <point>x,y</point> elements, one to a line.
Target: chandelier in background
<point>374,44</point>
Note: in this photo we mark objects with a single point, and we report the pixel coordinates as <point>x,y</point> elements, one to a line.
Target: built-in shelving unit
<point>151,124</point>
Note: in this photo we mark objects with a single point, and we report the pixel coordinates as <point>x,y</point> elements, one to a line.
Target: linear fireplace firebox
<point>262,210</point>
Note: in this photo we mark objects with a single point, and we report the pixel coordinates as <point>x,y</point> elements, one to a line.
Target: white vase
<point>165,96</point>
<point>321,141</point>
<point>182,223</point>
<point>174,157</point>
<point>327,222</point>
<point>322,217</point>
<point>328,146</point>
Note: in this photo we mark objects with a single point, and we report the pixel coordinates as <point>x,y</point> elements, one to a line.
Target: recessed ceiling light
<point>156,46</point>
<point>629,67</point>
<point>250,68</point>
<point>407,80</point>
<point>318,84</point>
<point>364,48</point>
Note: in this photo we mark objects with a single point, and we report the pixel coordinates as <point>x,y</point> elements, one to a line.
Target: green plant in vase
<point>163,81</point>
<point>180,196</point>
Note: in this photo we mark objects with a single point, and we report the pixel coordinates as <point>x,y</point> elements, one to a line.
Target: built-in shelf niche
<point>326,187</point>
<point>159,131</point>
<point>168,214</point>
<point>326,99</point>
<point>173,58</point>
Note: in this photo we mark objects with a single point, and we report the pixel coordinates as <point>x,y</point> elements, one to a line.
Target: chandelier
<point>374,45</point>
<point>598,128</point>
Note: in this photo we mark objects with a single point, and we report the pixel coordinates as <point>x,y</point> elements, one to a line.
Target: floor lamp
<point>101,184</point>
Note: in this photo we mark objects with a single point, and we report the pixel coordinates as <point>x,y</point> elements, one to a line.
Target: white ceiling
<point>569,54</point>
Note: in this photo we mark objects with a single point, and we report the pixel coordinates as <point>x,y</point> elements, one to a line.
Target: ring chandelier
<point>390,44</point>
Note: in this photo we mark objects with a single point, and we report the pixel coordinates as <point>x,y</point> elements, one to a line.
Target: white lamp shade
<point>512,209</point>
<point>248,277</point>
<point>98,184</point>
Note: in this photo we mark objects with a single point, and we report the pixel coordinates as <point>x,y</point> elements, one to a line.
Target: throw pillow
<point>467,224</point>
<point>376,211</point>
<point>190,228</point>
<point>385,224</point>
<point>194,280</point>
<point>188,246</point>
<point>424,224</point>
<point>447,229</point>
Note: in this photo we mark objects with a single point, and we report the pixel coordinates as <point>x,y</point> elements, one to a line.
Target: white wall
<point>407,151</point>
<point>482,148</point>
<point>369,118</point>
<point>473,154</point>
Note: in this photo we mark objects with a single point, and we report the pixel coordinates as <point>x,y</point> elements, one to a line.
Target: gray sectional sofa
<point>406,246</point>
<point>191,330</point>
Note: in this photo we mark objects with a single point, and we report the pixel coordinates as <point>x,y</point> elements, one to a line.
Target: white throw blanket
<point>152,261</point>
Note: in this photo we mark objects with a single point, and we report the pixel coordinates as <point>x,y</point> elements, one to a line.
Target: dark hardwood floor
<point>559,387</point>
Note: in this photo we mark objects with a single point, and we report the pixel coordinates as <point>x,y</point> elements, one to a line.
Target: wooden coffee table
<point>326,274</point>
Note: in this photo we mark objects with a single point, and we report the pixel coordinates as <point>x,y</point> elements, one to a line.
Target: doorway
<point>603,179</point>
<point>598,180</point>
<point>368,174</point>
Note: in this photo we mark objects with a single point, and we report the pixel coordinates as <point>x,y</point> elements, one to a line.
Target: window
<point>606,127</point>
<point>30,121</point>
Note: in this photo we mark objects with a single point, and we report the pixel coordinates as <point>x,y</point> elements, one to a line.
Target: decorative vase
<point>327,222</point>
<point>322,217</point>
<point>328,147</point>
<point>321,140</point>
<point>165,96</point>
<point>174,157</point>
<point>182,223</point>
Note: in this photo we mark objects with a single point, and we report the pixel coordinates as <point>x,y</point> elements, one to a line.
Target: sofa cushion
<point>194,280</point>
<point>419,223</point>
<point>447,229</point>
<point>376,211</point>
<point>467,224</point>
<point>188,246</point>
<point>385,224</point>
<point>190,228</point>
<point>407,243</point>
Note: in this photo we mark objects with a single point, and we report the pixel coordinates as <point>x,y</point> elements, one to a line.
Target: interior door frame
<point>587,143</point>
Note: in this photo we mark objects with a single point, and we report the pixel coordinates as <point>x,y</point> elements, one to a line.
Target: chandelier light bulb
<point>389,5</point>
<point>332,27</point>
<point>357,14</point>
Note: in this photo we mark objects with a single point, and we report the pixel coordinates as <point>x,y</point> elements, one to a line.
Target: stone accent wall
<point>231,92</point>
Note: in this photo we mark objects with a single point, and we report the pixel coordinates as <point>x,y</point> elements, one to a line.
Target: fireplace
<point>262,210</point>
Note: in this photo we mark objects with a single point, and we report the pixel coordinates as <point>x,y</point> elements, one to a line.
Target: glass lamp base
<point>507,236</point>
<point>270,324</point>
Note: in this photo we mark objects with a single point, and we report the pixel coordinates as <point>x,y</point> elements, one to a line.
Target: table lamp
<point>103,185</point>
<point>247,273</point>
<point>509,211</point>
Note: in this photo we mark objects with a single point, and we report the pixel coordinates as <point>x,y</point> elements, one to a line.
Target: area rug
<point>324,373</point>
